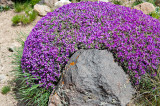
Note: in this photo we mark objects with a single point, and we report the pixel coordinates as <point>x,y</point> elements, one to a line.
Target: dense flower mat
<point>133,36</point>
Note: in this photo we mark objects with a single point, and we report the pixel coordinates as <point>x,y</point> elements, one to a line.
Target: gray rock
<point>92,78</point>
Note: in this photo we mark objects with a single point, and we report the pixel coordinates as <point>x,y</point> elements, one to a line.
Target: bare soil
<point>8,36</point>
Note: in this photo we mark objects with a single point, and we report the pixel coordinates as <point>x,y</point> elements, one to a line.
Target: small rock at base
<point>3,78</point>
<point>55,100</point>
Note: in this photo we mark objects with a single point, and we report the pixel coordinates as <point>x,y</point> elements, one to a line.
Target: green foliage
<point>151,1</point>
<point>33,15</point>
<point>155,15</point>
<point>29,16</point>
<point>5,89</point>
<point>25,20</point>
<point>22,5</point>
<point>149,90</point>
<point>137,2</point>
<point>18,7</point>
<point>117,2</point>
<point>21,1</point>
<point>141,1</point>
<point>33,2</point>
<point>16,19</point>
<point>30,95</point>
<point>4,8</point>
<point>158,9</point>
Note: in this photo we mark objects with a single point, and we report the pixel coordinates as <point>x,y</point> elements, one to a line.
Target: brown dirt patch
<point>8,38</point>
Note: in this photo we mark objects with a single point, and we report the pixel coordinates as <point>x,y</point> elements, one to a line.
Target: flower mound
<point>128,33</point>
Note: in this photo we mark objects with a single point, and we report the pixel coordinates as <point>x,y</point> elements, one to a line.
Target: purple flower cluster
<point>133,36</point>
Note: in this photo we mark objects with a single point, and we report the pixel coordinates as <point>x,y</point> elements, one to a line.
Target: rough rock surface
<point>42,9</point>
<point>145,7</point>
<point>92,78</point>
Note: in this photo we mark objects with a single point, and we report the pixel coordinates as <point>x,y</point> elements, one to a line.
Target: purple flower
<point>133,36</point>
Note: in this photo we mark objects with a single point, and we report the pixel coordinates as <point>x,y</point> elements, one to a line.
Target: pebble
<point>3,78</point>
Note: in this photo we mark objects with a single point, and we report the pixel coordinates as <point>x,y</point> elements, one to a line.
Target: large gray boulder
<point>92,78</point>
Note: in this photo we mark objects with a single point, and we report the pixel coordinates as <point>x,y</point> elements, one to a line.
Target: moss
<point>137,2</point>
<point>16,19</point>
<point>5,89</point>
<point>4,8</point>
<point>117,2</point>
<point>28,17</point>
<point>155,15</point>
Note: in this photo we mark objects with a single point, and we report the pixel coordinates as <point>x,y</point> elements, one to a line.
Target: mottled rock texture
<point>92,78</point>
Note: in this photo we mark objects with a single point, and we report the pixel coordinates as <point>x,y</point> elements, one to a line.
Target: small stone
<point>42,9</point>
<point>3,78</point>
<point>55,100</point>
<point>19,24</point>
<point>10,49</point>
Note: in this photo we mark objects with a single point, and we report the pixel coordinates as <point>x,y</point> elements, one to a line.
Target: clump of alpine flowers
<point>133,37</point>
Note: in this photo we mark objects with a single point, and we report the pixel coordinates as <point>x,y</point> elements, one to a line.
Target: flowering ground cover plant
<point>133,38</point>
